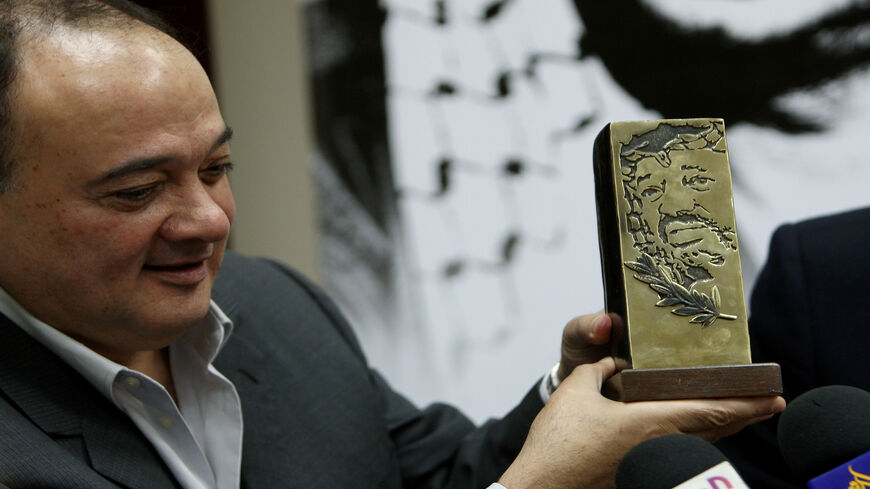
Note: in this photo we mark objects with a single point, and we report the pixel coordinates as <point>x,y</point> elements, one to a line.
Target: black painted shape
<point>685,72</point>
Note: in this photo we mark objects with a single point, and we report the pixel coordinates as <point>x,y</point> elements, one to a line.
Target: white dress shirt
<point>200,438</point>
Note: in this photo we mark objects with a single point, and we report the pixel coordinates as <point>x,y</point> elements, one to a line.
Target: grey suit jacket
<point>315,415</point>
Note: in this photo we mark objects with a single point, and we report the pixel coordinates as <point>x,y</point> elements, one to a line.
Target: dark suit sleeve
<point>438,446</point>
<point>779,332</point>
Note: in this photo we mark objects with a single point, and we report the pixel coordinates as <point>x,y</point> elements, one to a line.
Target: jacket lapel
<point>312,418</point>
<point>63,404</point>
<point>267,441</point>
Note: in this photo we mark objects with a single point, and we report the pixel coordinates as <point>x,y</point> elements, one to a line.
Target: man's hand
<point>586,339</point>
<point>579,437</point>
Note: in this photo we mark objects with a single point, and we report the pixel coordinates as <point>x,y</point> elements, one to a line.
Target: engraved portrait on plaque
<point>672,193</point>
<point>670,252</point>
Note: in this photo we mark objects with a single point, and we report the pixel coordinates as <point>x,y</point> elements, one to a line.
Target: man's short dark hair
<point>27,20</point>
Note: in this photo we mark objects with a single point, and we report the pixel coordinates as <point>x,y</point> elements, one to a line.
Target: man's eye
<point>651,193</point>
<point>137,194</point>
<point>215,172</point>
<point>698,182</point>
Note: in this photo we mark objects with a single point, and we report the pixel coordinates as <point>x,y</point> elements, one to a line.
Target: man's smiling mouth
<point>173,268</point>
<point>188,273</point>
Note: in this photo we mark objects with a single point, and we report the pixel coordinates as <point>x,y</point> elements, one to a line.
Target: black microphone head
<point>666,461</point>
<point>824,428</point>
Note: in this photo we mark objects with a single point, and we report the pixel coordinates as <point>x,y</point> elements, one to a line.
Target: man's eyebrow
<point>223,138</point>
<point>641,178</point>
<point>139,165</point>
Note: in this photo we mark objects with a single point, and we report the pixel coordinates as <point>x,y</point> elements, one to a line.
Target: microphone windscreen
<point>824,428</point>
<point>666,462</point>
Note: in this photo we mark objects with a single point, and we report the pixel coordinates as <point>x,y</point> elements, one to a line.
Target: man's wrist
<point>549,383</point>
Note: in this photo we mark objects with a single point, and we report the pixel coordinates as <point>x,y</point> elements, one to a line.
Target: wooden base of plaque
<point>757,379</point>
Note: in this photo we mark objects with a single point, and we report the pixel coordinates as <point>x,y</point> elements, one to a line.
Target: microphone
<point>827,431</point>
<point>676,462</point>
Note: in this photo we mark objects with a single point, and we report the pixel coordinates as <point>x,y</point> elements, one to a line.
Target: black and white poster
<point>454,142</point>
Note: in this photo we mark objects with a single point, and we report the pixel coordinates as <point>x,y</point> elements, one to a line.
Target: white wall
<point>261,81</point>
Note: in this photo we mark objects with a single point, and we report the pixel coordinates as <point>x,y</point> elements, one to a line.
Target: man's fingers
<point>593,375</point>
<point>714,418</point>
<point>588,329</point>
<point>585,339</point>
<point>753,407</point>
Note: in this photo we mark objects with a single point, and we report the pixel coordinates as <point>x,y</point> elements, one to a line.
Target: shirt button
<point>132,382</point>
<point>166,421</point>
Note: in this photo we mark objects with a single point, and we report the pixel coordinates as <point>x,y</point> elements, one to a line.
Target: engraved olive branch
<point>672,292</point>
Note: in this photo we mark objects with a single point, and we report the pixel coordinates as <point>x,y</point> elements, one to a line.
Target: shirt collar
<point>206,338</point>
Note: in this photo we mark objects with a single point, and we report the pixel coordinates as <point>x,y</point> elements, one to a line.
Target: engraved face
<point>673,210</point>
<point>674,202</point>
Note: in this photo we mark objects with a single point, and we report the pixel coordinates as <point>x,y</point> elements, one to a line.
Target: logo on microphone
<point>721,476</point>
<point>860,481</point>
<point>850,475</point>
<point>719,482</point>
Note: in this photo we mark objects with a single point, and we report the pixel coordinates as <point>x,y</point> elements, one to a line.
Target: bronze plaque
<point>668,235</point>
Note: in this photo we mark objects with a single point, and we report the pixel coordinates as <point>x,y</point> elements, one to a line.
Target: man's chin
<point>194,309</point>
<point>179,307</point>
<point>138,331</point>
<point>165,328</point>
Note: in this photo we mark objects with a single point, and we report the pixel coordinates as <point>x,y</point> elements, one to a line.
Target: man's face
<point>680,205</point>
<point>118,219</point>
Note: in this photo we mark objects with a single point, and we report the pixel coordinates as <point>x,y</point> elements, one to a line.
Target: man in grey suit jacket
<point>306,425</point>
<point>126,362</point>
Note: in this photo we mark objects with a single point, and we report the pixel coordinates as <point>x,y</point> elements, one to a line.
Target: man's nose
<point>199,213</point>
<point>677,201</point>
